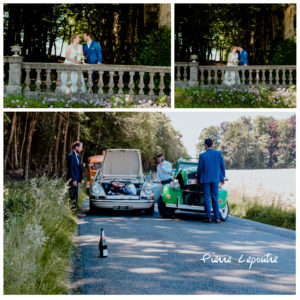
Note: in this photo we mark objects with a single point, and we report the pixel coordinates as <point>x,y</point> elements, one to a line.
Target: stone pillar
<point>15,72</point>
<point>193,82</point>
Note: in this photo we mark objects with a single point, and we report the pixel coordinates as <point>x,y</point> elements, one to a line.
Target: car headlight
<point>174,184</point>
<point>147,189</point>
<point>97,189</point>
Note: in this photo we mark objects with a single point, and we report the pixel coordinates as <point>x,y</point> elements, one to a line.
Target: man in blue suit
<point>210,172</point>
<point>243,57</point>
<point>75,174</point>
<point>92,52</point>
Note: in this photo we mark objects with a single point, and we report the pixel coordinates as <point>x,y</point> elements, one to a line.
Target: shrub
<point>284,53</point>
<point>38,230</point>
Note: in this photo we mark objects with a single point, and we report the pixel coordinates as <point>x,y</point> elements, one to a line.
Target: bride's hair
<point>231,49</point>
<point>73,37</point>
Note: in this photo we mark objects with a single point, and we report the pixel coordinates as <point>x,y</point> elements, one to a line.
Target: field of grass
<point>38,229</point>
<point>16,101</point>
<point>261,209</point>
<point>235,98</point>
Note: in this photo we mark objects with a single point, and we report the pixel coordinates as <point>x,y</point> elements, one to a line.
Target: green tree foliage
<point>258,28</point>
<point>151,133</point>
<point>284,53</point>
<point>263,142</point>
<point>118,27</point>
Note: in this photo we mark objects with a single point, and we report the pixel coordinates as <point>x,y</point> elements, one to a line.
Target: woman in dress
<point>74,55</point>
<point>232,62</point>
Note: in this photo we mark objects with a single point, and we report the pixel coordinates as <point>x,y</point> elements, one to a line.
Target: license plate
<point>123,207</point>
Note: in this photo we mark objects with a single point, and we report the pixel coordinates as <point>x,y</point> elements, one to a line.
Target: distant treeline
<point>263,142</point>
<point>37,143</point>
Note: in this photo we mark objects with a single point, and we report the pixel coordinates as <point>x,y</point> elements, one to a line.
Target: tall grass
<point>262,208</point>
<point>38,229</point>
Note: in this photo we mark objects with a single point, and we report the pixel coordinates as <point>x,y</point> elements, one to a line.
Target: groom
<point>243,57</point>
<point>92,52</point>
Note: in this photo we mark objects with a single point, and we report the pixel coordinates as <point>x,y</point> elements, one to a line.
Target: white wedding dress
<point>76,55</point>
<point>232,62</point>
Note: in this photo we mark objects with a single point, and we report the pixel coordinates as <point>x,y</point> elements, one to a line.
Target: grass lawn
<point>39,226</point>
<point>235,98</point>
<point>276,213</point>
<point>17,101</point>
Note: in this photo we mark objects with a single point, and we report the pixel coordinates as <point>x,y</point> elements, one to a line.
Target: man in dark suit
<point>92,52</point>
<point>210,172</point>
<point>243,57</point>
<point>75,174</point>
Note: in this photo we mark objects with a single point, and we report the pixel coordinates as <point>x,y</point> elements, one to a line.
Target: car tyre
<point>93,209</point>
<point>224,212</point>
<point>150,211</point>
<point>165,212</point>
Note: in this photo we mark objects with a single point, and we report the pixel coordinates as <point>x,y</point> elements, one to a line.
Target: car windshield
<point>96,166</point>
<point>186,166</point>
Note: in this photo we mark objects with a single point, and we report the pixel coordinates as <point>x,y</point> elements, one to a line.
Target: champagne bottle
<point>103,245</point>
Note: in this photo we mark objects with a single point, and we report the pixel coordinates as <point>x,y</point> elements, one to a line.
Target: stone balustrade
<point>38,79</point>
<point>192,75</point>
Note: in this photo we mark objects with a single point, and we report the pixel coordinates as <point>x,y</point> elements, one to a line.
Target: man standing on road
<point>210,172</point>
<point>75,175</point>
<point>164,170</point>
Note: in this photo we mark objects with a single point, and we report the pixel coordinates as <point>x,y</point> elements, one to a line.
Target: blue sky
<point>191,123</point>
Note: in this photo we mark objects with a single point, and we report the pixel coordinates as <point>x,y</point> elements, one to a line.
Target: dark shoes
<point>207,220</point>
<point>218,221</point>
<point>81,215</point>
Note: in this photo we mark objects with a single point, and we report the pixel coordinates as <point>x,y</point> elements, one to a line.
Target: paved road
<point>151,255</point>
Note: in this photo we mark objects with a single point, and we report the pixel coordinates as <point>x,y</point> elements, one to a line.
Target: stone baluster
<point>201,76</point>
<point>48,80</point>
<point>151,84</point>
<point>141,83</point>
<point>250,77</point>
<point>178,74</point>
<point>243,78</point>
<point>229,77</point>
<point>58,82</point>
<point>79,82</point>
<point>90,82</point>
<point>290,77</point>
<point>120,83</point>
<point>257,77</point>
<point>277,77</point>
<point>209,76</point>
<point>38,80</point>
<point>283,77</point>
<point>131,83</point>
<point>68,83</point>
<point>237,75</point>
<point>263,77</point>
<point>100,83</point>
<point>161,83</point>
<point>185,74</point>
<point>27,78</point>
<point>111,82</point>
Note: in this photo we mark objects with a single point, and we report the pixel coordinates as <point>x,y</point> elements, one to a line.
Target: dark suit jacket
<point>243,58</point>
<point>92,54</point>
<point>211,167</point>
<point>74,169</point>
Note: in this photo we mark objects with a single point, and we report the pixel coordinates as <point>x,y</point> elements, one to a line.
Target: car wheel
<point>224,212</point>
<point>165,212</point>
<point>150,211</point>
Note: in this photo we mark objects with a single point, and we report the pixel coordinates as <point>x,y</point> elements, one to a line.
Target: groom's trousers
<point>73,190</point>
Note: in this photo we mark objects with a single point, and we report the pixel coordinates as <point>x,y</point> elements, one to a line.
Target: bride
<point>74,55</point>
<point>232,62</point>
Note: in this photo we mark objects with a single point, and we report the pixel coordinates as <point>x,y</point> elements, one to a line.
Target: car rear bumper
<point>111,204</point>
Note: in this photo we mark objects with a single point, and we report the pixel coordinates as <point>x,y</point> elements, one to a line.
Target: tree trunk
<point>57,145</point>
<point>16,134</point>
<point>64,157</point>
<point>13,125</point>
<point>23,142</point>
<point>78,131</point>
<point>29,142</point>
<point>52,141</point>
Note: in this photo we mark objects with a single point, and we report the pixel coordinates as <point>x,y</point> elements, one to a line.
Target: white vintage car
<point>121,184</point>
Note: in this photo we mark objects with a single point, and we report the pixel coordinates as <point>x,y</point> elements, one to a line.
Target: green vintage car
<point>183,193</point>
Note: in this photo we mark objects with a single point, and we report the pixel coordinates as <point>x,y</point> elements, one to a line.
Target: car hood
<point>122,163</point>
